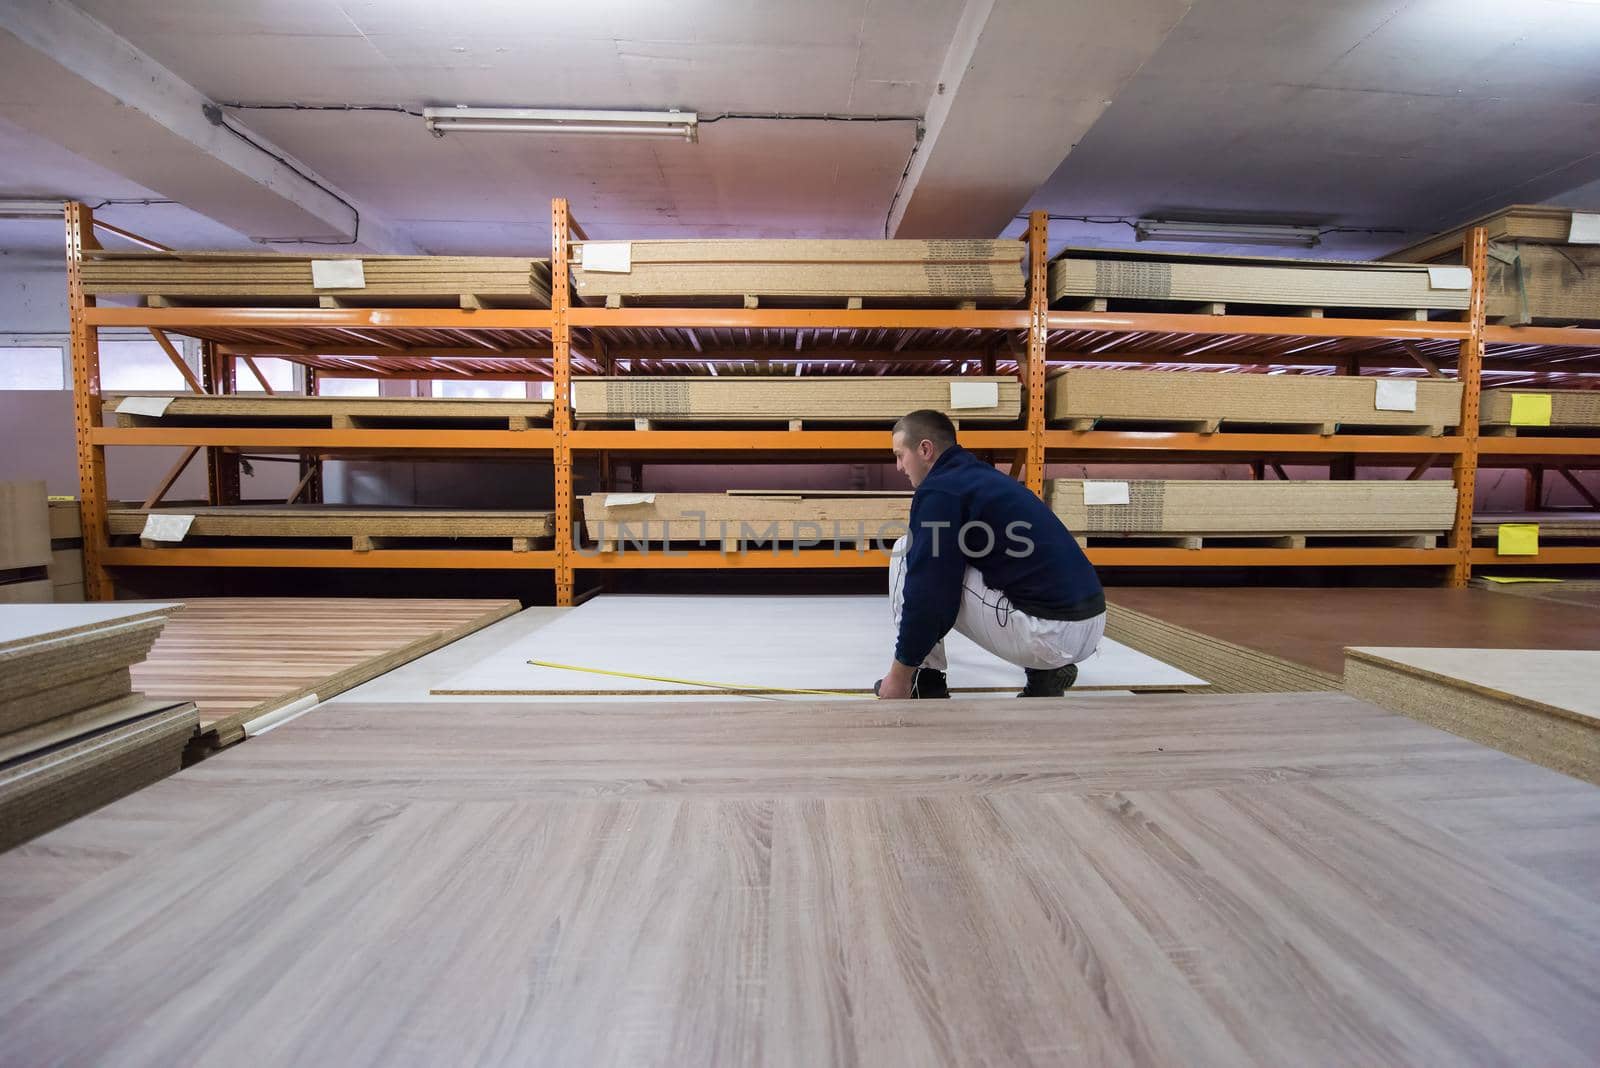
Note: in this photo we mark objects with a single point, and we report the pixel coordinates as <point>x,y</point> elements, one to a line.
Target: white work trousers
<point>987,617</point>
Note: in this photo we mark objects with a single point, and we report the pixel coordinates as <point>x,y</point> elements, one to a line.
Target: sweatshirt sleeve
<point>934,569</point>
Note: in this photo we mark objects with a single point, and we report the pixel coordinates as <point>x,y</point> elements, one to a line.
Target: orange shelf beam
<point>785,558</point>
<point>539,560</point>
<point>1548,554</point>
<point>1539,446</point>
<point>325,318</point>
<point>1268,557</point>
<point>1562,336</point>
<point>1183,441</point>
<point>773,440</point>
<point>314,438</point>
<point>800,318</point>
<point>1267,325</point>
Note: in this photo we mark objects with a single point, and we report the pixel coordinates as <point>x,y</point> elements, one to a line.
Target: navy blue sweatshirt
<point>1031,558</point>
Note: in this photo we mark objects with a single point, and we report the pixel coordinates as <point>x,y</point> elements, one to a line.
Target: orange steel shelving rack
<point>552,344</point>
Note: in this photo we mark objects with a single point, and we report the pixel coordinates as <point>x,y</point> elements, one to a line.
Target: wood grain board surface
<point>1312,627</point>
<point>236,658</point>
<point>1165,879</point>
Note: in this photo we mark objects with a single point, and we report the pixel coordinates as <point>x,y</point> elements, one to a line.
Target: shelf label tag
<point>1585,228</point>
<point>1397,395</point>
<point>154,406</point>
<point>1518,539</point>
<point>974,395</point>
<point>624,500</point>
<point>166,527</point>
<point>1530,409</point>
<point>338,274</point>
<point>1105,493</point>
<point>1448,277</point>
<point>615,257</point>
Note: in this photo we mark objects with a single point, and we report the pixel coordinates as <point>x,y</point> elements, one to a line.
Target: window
<point>280,376</point>
<point>457,387</point>
<point>32,367</point>
<point>347,387</point>
<point>138,366</point>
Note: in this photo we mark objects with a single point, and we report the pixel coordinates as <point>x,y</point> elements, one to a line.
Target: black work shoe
<point>1050,682</point>
<point>929,684</point>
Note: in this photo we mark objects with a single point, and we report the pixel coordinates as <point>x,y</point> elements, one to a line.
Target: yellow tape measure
<point>729,686</point>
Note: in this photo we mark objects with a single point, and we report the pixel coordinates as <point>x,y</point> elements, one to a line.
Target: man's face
<point>913,461</point>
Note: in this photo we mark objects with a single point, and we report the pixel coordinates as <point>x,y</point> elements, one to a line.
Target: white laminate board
<point>22,624</point>
<point>1567,679</point>
<point>842,643</point>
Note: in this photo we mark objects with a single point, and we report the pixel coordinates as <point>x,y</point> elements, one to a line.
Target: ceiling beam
<point>69,78</point>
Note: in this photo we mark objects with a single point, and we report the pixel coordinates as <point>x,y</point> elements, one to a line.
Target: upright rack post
<point>1470,371</point>
<point>1038,340</point>
<point>561,373</point>
<point>86,406</point>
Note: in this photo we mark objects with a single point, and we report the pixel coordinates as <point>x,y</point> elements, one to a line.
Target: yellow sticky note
<point>1512,580</point>
<point>1519,539</point>
<point>1530,409</point>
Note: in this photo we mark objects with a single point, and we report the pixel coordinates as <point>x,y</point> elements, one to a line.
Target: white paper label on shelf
<point>615,257</point>
<point>974,395</point>
<point>623,500</point>
<point>1585,228</point>
<point>1448,277</point>
<point>143,405</point>
<point>1105,493</point>
<point>338,274</point>
<point>1396,395</point>
<point>166,527</point>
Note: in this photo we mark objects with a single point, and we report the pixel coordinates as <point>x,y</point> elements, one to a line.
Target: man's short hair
<point>925,424</point>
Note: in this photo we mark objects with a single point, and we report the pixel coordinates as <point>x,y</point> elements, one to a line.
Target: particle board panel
<point>66,520</point>
<point>24,627</point>
<point>327,521</point>
<point>1309,629</point>
<point>193,409</point>
<point>1539,704</point>
<point>24,526</point>
<point>755,644</point>
<point>237,658</point>
<point>1569,408</point>
<point>1582,592</point>
<point>1227,506</point>
<point>802,885</point>
<point>714,517</point>
<point>1536,223</point>
<point>1301,400</point>
<point>34,591</point>
<point>1553,526</point>
<point>831,399</point>
<point>1132,274</point>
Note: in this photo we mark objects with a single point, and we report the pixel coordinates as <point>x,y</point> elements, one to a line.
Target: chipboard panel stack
<point>25,553</point>
<point>944,271</point>
<point>1543,262</point>
<point>73,734</point>
<point>732,519</point>
<point>1515,407</point>
<point>1198,508</point>
<point>830,399</point>
<point>1324,401</point>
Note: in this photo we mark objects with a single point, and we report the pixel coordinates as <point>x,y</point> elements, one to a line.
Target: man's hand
<point>896,685</point>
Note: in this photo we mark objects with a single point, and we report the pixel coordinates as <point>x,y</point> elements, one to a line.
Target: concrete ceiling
<point>1409,114</point>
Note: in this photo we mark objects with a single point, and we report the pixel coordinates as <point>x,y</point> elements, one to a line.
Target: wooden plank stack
<point>1544,262</point>
<point>823,399</point>
<point>1209,401</point>
<point>1127,274</point>
<point>1226,508</point>
<point>945,271</point>
<point>361,524</point>
<point>66,551</point>
<point>73,734</point>
<point>1570,409</point>
<point>197,409</point>
<point>274,278</point>
<point>732,519</point>
<point>24,543</point>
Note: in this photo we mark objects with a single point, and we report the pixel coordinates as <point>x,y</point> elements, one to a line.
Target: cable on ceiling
<point>214,115</point>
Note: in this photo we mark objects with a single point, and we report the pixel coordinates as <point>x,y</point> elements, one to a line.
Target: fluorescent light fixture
<point>1227,233</point>
<point>32,209</point>
<point>676,124</point>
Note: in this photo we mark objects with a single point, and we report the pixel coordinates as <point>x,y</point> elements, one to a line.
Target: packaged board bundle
<point>25,553</point>
<point>613,519</point>
<point>873,399</point>
<point>965,269</point>
<point>266,278</point>
<point>1169,276</point>
<point>196,409</point>
<point>1554,408</point>
<point>1225,508</point>
<point>1201,397</point>
<point>334,521</point>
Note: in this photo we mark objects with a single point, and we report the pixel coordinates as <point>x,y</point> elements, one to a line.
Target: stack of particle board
<point>1324,401</point>
<point>1229,667</point>
<point>1584,593</point>
<point>1126,274</point>
<point>73,734</point>
<point>1225,508</point>
<point>875,399</point>
<point>1553,526</point>
<point>361,524</point>
<point>1568,409</point>
<point>729,519</point>
<point>195,409</point>
<point>268,278</point>
<point>1541,705</point>
<point>940,270</point>
<point>24,543</point>
<point>1543,264</point>
<point>66,551</point>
